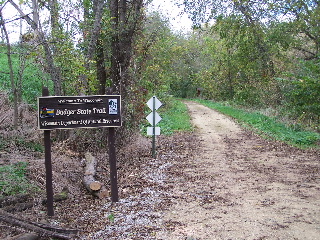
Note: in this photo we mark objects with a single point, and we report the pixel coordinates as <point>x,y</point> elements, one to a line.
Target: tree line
<point>256,54</point>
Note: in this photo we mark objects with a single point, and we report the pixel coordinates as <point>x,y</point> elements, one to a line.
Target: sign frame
<point>69,112</point>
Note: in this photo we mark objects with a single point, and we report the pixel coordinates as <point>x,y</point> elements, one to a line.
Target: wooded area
<point>256,54</point>
<point>260,56</point>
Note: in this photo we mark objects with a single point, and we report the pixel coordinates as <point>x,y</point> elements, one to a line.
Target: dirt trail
<point>239,186</point>
<point>220,182</point>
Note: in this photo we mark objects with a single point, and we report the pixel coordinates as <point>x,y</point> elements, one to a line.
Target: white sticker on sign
<point>113,106</point>
<point>150,131</point>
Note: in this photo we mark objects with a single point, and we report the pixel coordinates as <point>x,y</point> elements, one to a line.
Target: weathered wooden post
<point>113,165</point>
<point>48,164</point>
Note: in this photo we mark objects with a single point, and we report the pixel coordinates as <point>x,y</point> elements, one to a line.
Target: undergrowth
<point>267,126</point>
<point>29,82</point>
<point>20,143</point>
<point>13,179</point>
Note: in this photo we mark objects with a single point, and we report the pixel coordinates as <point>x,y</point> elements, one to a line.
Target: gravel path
<point>239,186</point>
<point>219,182</point>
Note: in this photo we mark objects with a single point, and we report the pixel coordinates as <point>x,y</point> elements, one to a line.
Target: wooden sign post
<point>48,164</point>
<point>68,112</point>
<point>113,165</point>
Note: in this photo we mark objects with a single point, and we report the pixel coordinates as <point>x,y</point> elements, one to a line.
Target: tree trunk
<point>115,50</point>
<point>52,69</point>
<point>95,187</point>
<point>13,84</point>
<point>101,71</point>
<point>124,24</point>
<point>93,34</point>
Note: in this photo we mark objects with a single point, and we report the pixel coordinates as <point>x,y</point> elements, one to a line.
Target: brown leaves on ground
<point>220,182</point>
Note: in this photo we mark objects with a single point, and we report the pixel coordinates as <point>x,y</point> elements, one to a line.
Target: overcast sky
<point>178,19</point>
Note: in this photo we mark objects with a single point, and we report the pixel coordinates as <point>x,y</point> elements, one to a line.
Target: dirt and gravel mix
<point>219,182</point>
<point>239,186</point>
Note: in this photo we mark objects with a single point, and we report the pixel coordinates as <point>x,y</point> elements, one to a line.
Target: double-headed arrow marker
<point>153,118</point>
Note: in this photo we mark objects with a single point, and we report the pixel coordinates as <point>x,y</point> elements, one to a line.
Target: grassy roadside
<point>267,126</point>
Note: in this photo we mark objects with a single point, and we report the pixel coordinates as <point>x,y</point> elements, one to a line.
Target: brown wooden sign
<point>79,112</point>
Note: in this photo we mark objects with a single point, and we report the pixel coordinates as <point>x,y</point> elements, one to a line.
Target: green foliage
<point>302,100</point>
<point>13,179</point>
<point>111,217</point>
<point>20,143</point>
<point>169,62</point>
<point>70,61</point>
<point>175,117</point>
<point>268,127</point>
<point>248,96</point>
<point>155,54</point>
<point>32,78</point>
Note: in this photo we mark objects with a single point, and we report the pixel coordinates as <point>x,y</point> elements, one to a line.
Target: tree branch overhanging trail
<point>32,24</point>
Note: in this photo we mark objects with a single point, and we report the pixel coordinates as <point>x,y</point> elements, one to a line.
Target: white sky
<point>178,19</point>
<point>9,14</point>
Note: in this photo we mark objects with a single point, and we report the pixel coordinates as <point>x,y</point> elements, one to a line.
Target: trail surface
<point>239,186</point>
<point>219,182</point>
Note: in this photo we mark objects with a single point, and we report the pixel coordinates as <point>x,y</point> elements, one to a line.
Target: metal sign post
<point>154,119</point>
<point>154,126</point>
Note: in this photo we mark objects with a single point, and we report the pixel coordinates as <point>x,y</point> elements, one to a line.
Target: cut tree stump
<point>95,187</point>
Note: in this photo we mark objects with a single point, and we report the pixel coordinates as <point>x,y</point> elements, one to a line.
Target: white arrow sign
<point>157,103</point>
<point>150,118</point>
